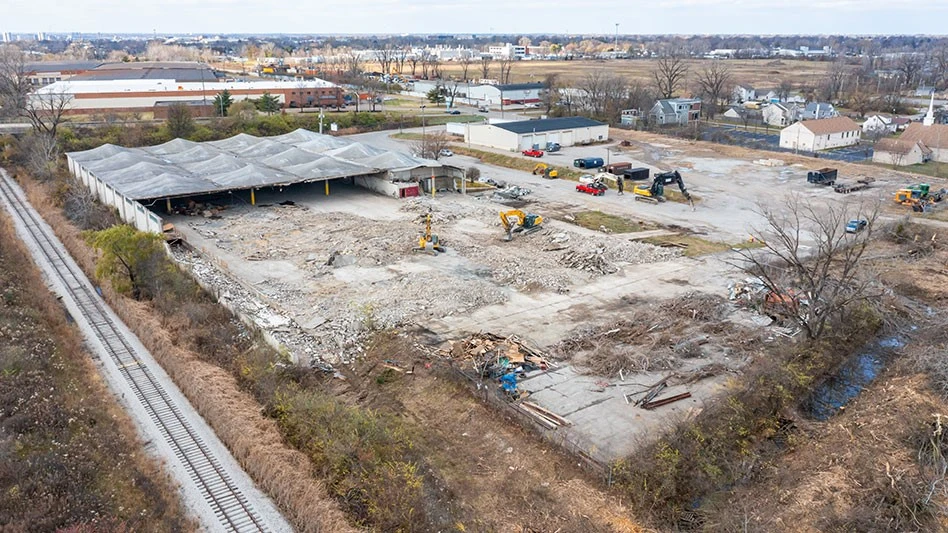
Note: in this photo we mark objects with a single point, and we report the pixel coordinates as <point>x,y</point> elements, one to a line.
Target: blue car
<point>855,226</point>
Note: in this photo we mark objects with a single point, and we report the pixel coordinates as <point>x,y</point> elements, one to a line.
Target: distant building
<point>818,111</point>
<point>900,152</point>
<point>45,72</point>
<point>129,96</point>
<point>679,111</point>
<point>781,114</point>
<point>823,134</point>
<point>507,51</point>
<point>934,136</point>
<point>630,117</point>
<point>524,134</point>
<point>744,93</point>
<point>878,124</point>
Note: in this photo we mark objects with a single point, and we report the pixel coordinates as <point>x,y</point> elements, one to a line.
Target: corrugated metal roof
<point>549,124</point>
<point>184,168</point>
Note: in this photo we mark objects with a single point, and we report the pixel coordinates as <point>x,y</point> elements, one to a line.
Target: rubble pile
<point>501,358</point>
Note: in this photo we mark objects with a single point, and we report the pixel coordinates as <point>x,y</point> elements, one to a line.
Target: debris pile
<point>511,193</point>
<point>194,209</point>
<point>594,261</point>
<point>494,357</point>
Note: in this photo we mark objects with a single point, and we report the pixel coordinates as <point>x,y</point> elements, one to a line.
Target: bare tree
<point>400,55</point>
<point>833,83</point>
<point>14,82</point>
<point>809,264</point>
<point>715,86</point>
<point>551,93</point>
<point>465,63</point>
<point>413,61</point>
<point>435,63</point>
<point>861,101</point>
<point>784,90</point>
<point>451,90</point>
<point>506,65</point>
<point>425,63</point>
<point>353,62</point>
<point>485,66</point>
<point>669,75</point>
<point>386,57</point>
<point>431,145</point>
<point>940,67</point>
<point>910,66</point>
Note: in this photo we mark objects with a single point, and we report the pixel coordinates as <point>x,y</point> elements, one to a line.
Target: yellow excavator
<point>429,242</point>
<point>655,192</point>
<point>544,170</point>
<point>516,221</point>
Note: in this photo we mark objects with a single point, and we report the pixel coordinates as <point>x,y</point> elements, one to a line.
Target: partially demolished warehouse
<point>133,180</point>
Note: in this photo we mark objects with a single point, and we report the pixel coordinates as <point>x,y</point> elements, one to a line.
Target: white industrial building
<point>129,179</point>
<point>823,134</point>
<point>525,134</point>
<point>482,94</point>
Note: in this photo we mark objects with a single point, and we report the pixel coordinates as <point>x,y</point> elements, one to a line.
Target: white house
<point>824,134</point>
<point>680,111</point>
<point>744,93</point>
<point>524,134</point>
<point>733,113</point>
<point>780,115</point>
<point>878,124</point>
<point>900,152</point>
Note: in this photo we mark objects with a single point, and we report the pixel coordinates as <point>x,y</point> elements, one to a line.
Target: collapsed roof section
<point>186,168</point>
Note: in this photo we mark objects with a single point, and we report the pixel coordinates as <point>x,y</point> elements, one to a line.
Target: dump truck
<point>823,176</point>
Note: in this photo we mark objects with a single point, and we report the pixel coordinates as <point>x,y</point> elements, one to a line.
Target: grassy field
<point>759,73</point>
<point>932,168</point>
<point>595,220</point>
<point>693,246</point>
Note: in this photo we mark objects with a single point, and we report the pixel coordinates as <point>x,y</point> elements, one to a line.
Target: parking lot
<point>771,141</point>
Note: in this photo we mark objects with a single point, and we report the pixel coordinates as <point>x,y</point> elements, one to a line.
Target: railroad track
<point>225,499</point>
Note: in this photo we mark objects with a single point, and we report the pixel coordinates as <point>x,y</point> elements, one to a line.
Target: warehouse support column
<point>432,183</point>
<point>253,197</point>
<point>327,187</point>
<point>168,205</point>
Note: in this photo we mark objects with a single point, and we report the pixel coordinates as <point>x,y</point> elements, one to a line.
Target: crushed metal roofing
<point>549,124</point>
<point>186,168</point>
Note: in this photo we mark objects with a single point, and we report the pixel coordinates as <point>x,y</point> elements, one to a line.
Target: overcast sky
<point>477,16</point>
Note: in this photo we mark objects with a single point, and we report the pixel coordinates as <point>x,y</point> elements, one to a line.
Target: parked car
<point>533,152</point>
<point>445,153</point>
<point>483,109</point>
<point>855,226</point>
<point>453,112</point>
<point>552,147</point>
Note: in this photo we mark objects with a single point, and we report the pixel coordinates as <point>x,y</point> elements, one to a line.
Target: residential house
<point>680,111</point>
<point>744,93</point>
<point>879,125</point>
<point>934,136</point>
<point>734,112</point>
<point>819,110</point>
<point>822,134</point>
<point>901,123</point>
<point>900,152</point>
<point>781,114</point>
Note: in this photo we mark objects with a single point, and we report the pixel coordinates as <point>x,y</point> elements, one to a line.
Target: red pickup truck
<point>533,153</point>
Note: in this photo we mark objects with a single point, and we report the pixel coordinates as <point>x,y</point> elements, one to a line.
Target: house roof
<point>520,86</point>
<point>549,124</point>
<point>885,120</point>
<point>811,107</point>
<point>901,120</point>
<point>825,126</point>
<point>934,136</point>
<point>900,146</point>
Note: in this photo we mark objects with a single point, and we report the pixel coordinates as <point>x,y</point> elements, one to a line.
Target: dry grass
<point>255,441</point>
<point>78,461</point>
<point>596,220</point>
<point>763,73</point>
<point>694,246</point>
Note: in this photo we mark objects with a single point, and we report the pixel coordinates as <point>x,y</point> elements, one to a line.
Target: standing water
<point>834,393</point>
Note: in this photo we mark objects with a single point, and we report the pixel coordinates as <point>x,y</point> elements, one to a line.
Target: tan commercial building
<point>822,134</point>
<point>103,96</point>
<point>900,152</point>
